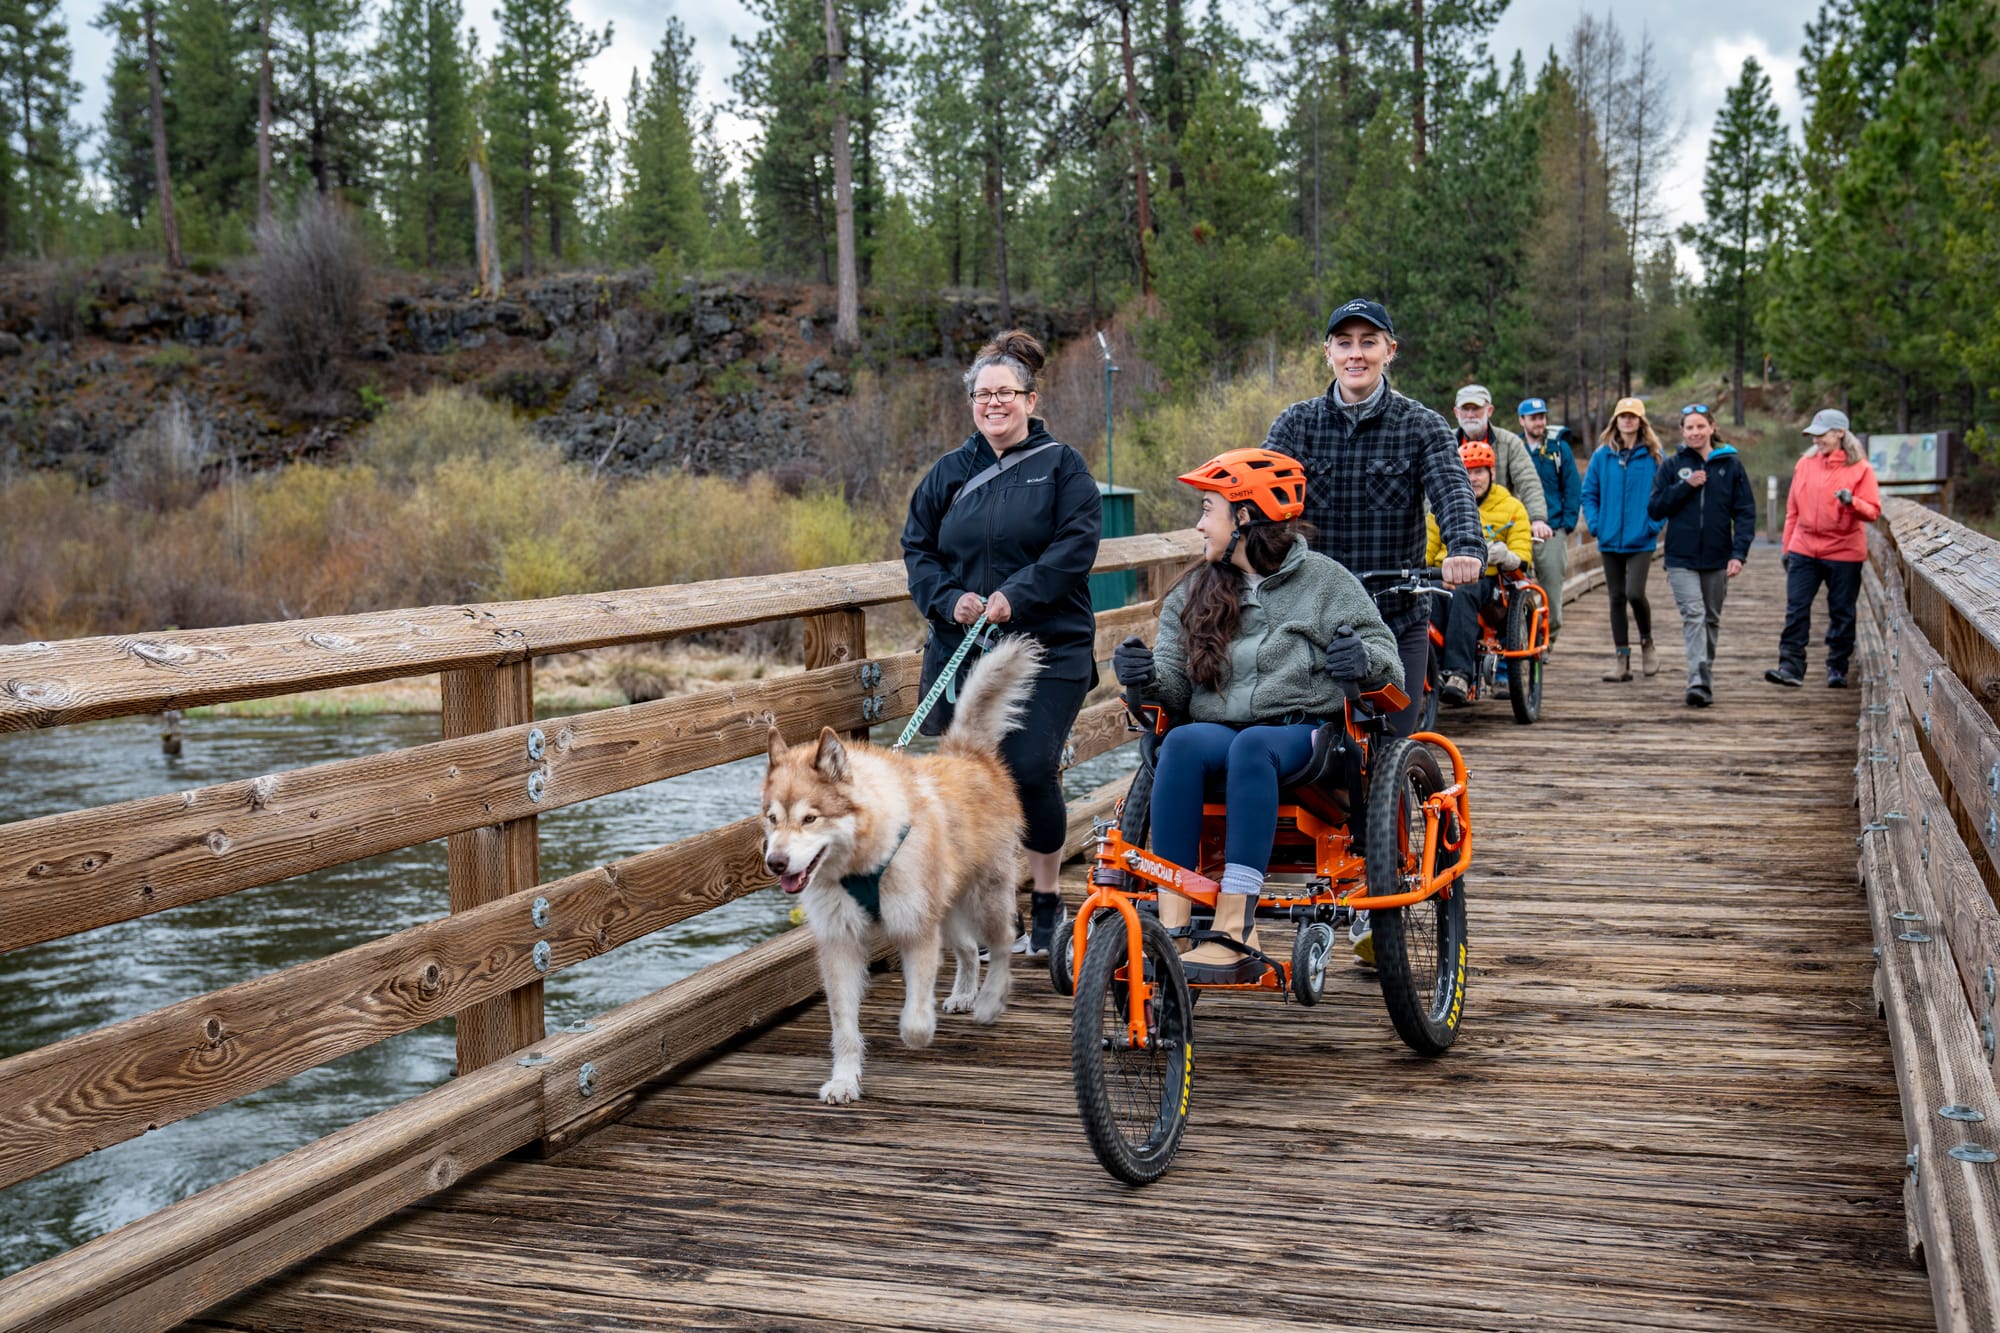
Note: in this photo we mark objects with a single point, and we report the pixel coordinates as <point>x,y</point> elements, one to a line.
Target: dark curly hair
<point>1213,611</point>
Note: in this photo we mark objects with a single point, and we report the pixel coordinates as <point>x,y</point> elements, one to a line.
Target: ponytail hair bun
<point>1018,350</point>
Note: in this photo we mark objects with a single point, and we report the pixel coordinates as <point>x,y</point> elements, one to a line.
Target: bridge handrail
<point>518,1085</point>
<point>1928,785</point>
<point>82,680</point>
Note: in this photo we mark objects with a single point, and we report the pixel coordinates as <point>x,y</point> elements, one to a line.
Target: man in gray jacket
<point>1514,466</point>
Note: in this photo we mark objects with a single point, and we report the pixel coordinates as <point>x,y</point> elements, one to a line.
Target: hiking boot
<point>1456,689</point>
<point>1836,680</point>
<point>1783,675</point>
<point>1649,661</point>
<point>1697,697</point>
<point>1623,669</point>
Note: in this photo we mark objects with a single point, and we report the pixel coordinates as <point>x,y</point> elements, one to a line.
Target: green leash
<point>944,681</point>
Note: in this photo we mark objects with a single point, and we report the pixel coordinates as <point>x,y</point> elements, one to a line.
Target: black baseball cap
<point>1371,311</point>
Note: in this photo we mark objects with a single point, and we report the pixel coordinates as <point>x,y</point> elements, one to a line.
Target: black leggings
<point>1625,580</point>
<point>1033,754</point>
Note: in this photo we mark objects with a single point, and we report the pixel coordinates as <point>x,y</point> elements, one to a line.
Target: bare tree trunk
<point>485,218</point>
<point>1419,130</point>
<point>264,116</point>
<point>527,214</point>
<point>170,230</point>
<point>847,309</point>
<point>1135,128</point>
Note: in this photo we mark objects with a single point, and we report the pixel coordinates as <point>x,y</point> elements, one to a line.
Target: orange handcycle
<point>1369,823</point>
<point>1514,630</point>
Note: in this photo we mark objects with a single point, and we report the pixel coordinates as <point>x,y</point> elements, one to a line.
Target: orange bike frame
<point>1538,627</point>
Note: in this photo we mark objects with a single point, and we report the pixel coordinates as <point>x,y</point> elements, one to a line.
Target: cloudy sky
<point>1701,42</point>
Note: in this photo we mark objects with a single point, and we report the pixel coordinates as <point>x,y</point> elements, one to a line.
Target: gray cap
<point>1474,393</point>
<point>1826,419</point>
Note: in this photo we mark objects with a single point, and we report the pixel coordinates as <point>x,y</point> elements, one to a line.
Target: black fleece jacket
<point>1031,533</point>
<point>1708,525</point>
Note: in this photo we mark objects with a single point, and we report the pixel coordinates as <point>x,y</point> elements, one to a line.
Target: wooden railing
<point>1928,785</point>
<point>482,788</point>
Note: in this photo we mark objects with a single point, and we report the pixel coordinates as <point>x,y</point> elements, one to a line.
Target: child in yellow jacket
<point>1509,545</point>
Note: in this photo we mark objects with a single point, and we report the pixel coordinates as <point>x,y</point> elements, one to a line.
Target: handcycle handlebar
<point>1420,580</point>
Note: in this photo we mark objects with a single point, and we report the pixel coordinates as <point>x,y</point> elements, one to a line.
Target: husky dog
<point>921,848</point>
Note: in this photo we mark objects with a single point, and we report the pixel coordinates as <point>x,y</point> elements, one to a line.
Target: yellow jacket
<point>1505,520</point>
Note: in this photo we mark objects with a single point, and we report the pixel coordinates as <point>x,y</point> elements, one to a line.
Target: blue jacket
<point>1707,526</point>
<point>1616,488</point>
<point>1561,486</point>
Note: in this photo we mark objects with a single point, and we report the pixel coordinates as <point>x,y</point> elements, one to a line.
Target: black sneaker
<point>1836,680</point>
<point>1048,916</point>
<point>1785,676</point>
<point>1698,698</point>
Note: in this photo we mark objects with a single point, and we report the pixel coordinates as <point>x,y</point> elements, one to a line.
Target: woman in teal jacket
<point>1616,487</point>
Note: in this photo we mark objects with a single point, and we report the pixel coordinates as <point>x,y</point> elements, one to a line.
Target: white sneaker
<point>1021,942</point>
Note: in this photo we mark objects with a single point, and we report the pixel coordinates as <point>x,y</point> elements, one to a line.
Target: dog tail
<point>994,697</point>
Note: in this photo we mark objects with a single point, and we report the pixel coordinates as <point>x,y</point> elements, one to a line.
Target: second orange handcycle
<point>1369,823</point>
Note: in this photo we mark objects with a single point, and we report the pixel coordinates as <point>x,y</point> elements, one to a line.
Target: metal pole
<point>1771,528</point>
<point>1110,369</point>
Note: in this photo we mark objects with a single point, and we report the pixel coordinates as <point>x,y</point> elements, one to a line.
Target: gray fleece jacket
<point>1292,616</point>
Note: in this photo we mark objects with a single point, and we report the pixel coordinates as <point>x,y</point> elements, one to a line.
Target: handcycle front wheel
<point>1524,674</point>
<point>1134,1101</point>
<point>1419,949</point>
<point>1311,947</point>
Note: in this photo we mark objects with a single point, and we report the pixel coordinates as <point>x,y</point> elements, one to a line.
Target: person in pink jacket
<point>1833,494</point>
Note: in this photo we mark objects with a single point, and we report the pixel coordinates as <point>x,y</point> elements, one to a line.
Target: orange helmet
<point>1273,482</point>
<point>1475,453</point>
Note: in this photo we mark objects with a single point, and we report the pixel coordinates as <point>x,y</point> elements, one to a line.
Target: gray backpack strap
<point>994,469</point>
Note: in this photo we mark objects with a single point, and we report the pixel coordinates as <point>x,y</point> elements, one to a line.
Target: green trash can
<point>1108,592</point>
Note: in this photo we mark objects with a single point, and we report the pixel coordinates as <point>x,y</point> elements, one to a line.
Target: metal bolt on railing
<point>586,1078</point>
<point>542,955</point>
<point>1973,1152</point>
<point>538,744</point>
<point>1957,1111</point>
<point>539,913</point>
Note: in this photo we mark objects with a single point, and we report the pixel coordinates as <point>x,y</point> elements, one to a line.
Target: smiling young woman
<point>1007,524</point>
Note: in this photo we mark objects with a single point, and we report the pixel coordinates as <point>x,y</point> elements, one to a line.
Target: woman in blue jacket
<point>1703,495</point>
<point>1617,487</point>
<point>1007,524</point>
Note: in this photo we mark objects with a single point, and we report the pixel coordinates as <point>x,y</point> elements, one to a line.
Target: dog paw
<point>989,1011</point>
<point>917,1033</point>
<point>956,1004</point>
<point>841,1090</point>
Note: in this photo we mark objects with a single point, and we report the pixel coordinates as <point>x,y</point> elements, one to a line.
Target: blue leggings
<point>1254,758</point>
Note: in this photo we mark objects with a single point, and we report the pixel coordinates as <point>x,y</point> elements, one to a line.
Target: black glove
<point>1132,663</point>
<point>1844,495</point>
<point>1346,657</point>
<point>1785,562</point>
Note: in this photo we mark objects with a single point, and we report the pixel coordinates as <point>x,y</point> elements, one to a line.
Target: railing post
<point>833,637</point>
<point>495,860</point>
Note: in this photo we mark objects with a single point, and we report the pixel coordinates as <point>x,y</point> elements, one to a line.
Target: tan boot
<point>1215,963</point>
<point>1649,661</point>
<point>1175,913</point>
<point>1623,670</point>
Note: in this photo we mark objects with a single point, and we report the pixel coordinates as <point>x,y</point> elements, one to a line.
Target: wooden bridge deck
<point>1671,1105</point>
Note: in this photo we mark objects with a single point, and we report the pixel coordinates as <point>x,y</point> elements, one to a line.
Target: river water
<point>70,986</point>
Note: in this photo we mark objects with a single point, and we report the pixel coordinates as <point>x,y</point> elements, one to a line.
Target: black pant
<point>1413,645</point>
<point>1843,586</point>
<point>1033,754</point>
<point>1457,618</point>
<point>1625,581</point>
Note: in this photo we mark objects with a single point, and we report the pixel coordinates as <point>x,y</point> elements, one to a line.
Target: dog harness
<point>866,888</point>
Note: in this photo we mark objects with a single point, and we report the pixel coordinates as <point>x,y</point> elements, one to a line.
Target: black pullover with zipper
<point>1030,533</point>
<point>1707,525</point>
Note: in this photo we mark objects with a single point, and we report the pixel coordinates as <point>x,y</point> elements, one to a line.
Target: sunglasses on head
<point>1695,407</point>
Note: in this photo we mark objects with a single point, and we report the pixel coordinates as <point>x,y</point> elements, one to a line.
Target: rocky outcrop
<point>621,375</point>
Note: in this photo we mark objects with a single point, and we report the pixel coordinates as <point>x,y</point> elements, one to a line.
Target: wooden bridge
<point>1698,1086</point>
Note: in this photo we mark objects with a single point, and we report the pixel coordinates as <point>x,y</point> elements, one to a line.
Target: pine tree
<point>1745,159</point>
<point>662,206</point>
<point>139,77</point>
<point>323,91</point>
<point>37,92</point>
<point>539,117</point>
<point>213,89</point>
<point>426,101</point>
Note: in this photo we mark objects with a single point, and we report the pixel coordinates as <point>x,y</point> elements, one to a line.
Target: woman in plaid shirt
<point>1372,456</point>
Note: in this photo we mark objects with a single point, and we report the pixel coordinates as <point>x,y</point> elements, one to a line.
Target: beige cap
<point>1473,393</point>
<point>1636,406</point>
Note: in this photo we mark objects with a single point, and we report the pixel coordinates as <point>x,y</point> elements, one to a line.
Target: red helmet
<point>1273,482</point>
<point>1476,453</point>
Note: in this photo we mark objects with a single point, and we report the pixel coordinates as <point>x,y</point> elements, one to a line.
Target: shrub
<point>310,290</point>
<point>159,466</point>
<point>66,302</point>
<point>415,436</point>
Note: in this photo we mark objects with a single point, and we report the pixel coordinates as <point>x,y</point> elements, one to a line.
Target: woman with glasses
<point>1006,525</point>
<point>1703,495</point>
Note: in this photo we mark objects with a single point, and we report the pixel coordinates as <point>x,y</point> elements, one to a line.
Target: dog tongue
<point>793,882</point>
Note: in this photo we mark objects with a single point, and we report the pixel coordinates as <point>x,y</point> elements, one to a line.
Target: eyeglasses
<point>1000,396</point>
<point>1695,407</point>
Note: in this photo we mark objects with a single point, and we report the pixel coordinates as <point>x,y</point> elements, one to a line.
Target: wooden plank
<point>833,638</point>
<point>66,873</point>
<point>55,684</point>
<point>64,1100</point>
<point>1099,728</point>
<point>1939,1060</point>
<point>487,863</point>
<point>1955,592</point>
